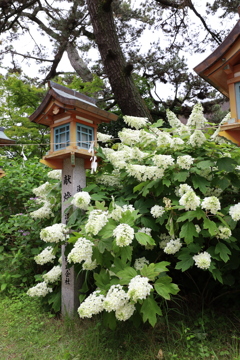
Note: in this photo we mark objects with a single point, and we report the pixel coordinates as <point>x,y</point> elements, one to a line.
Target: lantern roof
<point>217,66</point>
<point>4,139</point>
<point>61,100</point>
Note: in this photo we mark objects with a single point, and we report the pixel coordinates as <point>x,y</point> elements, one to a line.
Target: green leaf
<point>165,287</point>
<point>181,176</point>
<point>109,320</point>
<point>205,164</point>
<point>107,231</point>
<point>158,123</point>
<point>139,186</point>
<point>226,164</point>
<point>223,251</point>
<point>143,205</point>
<point>150,272</point>
<point>126,275</point>
<point>210,226</point>
<point>129,217</point>
<point>144,239</point>
<point>102,279</point>
<point>105,244</point>
<point>150,310</point>
<point>126,253</point>
<point>200,183</point>
<point>184,264</point>
<point>190,215</point>
<point>188,231</point>
<point>217,275</point>
<point>149,223</point>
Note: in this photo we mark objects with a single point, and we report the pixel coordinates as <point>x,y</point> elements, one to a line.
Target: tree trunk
<point>116,67</point>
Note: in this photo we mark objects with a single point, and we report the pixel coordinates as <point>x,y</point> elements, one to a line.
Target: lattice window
<point>61,137</point>
<point>84,136</point>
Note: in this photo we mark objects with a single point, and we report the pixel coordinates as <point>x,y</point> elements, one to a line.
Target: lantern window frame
<point>88,132</point>
<point>60,145</point>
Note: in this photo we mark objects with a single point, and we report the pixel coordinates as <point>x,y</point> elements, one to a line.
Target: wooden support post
<point>73,180</point>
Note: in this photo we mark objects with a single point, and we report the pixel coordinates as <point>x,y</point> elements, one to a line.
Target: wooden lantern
<point>73,119</point>
<point>222,70</point>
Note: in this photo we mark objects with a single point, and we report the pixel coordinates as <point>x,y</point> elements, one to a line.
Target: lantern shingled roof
<point>217,66</point>
<point>60,100</point>
<point>4,139</point>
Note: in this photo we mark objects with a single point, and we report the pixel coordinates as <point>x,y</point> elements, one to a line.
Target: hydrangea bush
<point>164,201</point>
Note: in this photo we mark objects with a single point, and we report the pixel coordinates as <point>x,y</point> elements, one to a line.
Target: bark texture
<point>117,70</point>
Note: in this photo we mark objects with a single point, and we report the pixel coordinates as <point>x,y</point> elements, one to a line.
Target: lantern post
<point>73,119</point>
<point>221,69</point>
<point>4,140</point>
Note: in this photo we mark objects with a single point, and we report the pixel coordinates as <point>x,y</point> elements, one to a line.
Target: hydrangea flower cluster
<point>97,219</point>
<point>124,235</point>
<point>124,312</point>
<point>157,211</point>
<point>118,211</point>
<point>143,172</point>
<point>53,275</point>
<point>81,200</point>
<point>129,137</point>
<point>224,232</point>
<point>197,138</point>
<point>55,174</point>
<point>163,161</point>
<point>92,305</point>
<point>139,288</point>
<point>41,289</point>
<point>47,255</point>
<point>234,212</point>
<point>140,263</point>
<point>173,246</point>
<point>45,212</point>
<point>135,122</point>
<point>81,251</point>
<point>182,189</point>
<point>202,260</point>
<point>104,137</point>
<point>196,119</point>
<point>116,298</point>
<point>211,204</point>
<point>145,230</point>
<point>185,161</point>
<point>54,233</point>
<point>190,200</point>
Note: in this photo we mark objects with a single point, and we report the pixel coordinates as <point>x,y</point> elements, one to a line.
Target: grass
<point>27,332</point>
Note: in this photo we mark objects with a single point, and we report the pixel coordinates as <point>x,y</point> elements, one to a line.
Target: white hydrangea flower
<point>92,305</point>
<point>147,138</point>
<point>97,219</point>
<point>125,312</point>
<point>163,161</point>
<point>182,189</point>
<point>212,204</point>
<point>224,232</point>
<point>138,154</point>
<point>124,235</point>
<point>81,200</point>
<point>110,180</point>
<point>140,262</point>
<point>225,120</point>
<point>44,212</point>
<point>118,211</point>
<point>173,120</point>
<point>43,190</point>
<point>157,211</point>
<point>173,246</point>
<point>45,256</point>
<point>118,158</point>
<point>164,139</point>
<point>135,122</point>
<point>197,138</point>
<point>129,137</point>
<point>104,137</point>
<point>145,230</point>
<point>41,289</point>
<point>81,251</point>
<point>213,191</point>
<point>116,298</point>
<point>176,143</point>
<point>202,260</point>
<point>198,229</point>
<point>190,200</point>
<point>144,173</point>
<point>196,119</point>
<point>54,233</point>
<point>53,275</point>
<point>55,174</point>
<point>184,130</point>
<point>234,212</point>
<point>139,288</point>
<point>185,161</point>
